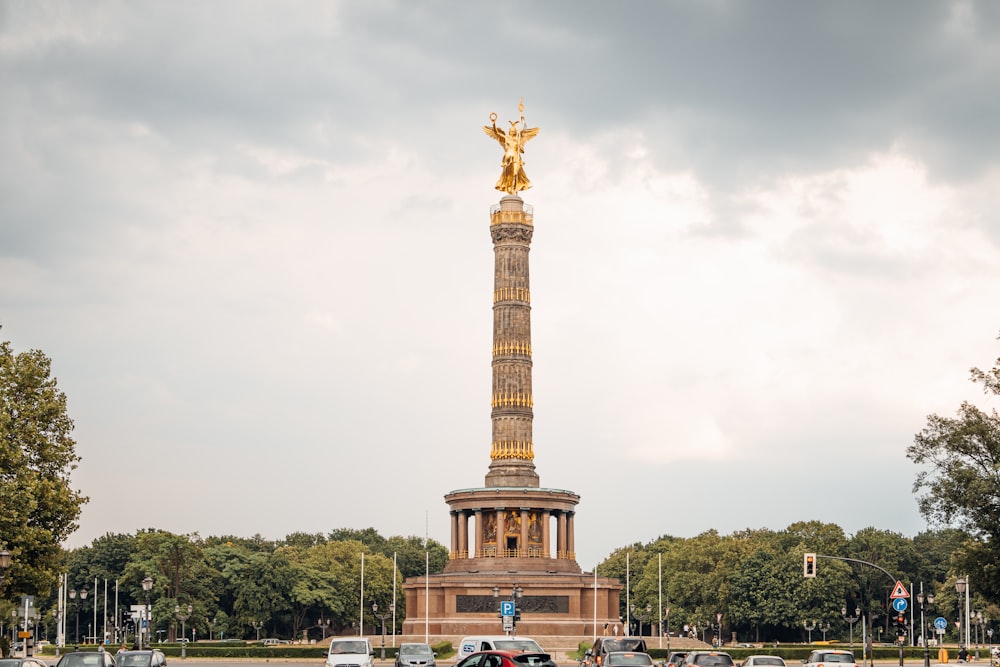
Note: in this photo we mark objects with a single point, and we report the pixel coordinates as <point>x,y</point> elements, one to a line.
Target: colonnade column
<point>523,542</point>
<point>546,534</point>
<point>463,535</point>
<point>571,535</point>
<point>561,535</point>
<point>479,534</point>
<point>454,534</point>
<point>501,529</point>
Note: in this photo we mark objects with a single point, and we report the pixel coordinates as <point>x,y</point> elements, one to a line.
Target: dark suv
<point>595,656</point>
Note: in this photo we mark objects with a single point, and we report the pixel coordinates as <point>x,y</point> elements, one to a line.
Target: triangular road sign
<point>899,591</point>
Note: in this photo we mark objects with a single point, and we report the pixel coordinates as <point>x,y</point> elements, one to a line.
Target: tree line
<point>306,582</point>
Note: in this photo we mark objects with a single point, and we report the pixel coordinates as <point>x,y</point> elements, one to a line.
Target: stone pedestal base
<point>463,603</point>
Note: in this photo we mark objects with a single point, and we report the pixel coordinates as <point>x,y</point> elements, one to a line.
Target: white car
<point>764,661</point>
<point>356,651</point>
<point>830,658</point>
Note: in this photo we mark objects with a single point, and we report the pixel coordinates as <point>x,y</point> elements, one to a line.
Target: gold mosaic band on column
<point>512,449</point>
<point>512,294</point>
<point>505,348</point>
<point>507,400</point>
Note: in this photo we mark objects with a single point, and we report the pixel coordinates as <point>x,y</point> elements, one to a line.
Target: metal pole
<point>628,592</point>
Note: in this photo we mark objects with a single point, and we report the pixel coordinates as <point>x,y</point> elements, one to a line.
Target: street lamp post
<point>809,628</point>
<point>257,625</point>
<point>852,620</point>
<point>641,617</point>
<point>962,588</point>
<point>666,618</point>
<point>147,586</point>
<point>929,600</point>
<point>825,628</point>
<point>382,617</point>
<point>5,558</point>
<point>76,608</point>
<point>979,630</point>
<point>182,614</point>
<point>323,624</point>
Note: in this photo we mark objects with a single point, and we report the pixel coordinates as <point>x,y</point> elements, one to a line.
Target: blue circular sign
<point>899,604</point>
<point>940,623</point>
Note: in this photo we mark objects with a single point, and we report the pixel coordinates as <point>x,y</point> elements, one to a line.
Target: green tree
<point>37,456</point>
<point>180,574</point>
<point>958,485</point>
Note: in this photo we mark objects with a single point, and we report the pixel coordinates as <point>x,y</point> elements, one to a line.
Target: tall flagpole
<point>394,599</point>
<point>427,600</point>
<point>628,593</point>
<point>595,603</point>
<point>659,568</point>
<point>104,632</point>
<point>361,608</point>
<point>96,592</point>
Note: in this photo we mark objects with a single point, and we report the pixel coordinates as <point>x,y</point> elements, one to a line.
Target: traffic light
<point>809,565</point>
<point>901,621</point>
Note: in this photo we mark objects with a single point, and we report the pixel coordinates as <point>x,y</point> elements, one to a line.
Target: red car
<point>507,659</point>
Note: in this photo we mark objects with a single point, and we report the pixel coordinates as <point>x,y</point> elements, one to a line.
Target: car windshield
<point>10,662</point>
<point>81,660</point>
<point>532,659</point>
<point>521,645</point>
<point>835,657</point>
<point>629,659</point>
<point>623,645</point>
<point>768,660</point>
<point>128,659</point>
<point>713,660</point>
<point>348,646</point>
<point>415,649</point>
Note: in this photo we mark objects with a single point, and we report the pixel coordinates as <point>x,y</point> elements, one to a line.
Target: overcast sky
<point>254,239</point>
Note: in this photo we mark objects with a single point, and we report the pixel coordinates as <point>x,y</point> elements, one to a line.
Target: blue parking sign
<point>507,608</point>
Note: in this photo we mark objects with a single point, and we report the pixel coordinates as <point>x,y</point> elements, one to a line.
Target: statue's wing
<point>494,133</point>
<point>528,133</point>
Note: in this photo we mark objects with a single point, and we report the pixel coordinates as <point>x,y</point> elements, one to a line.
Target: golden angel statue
<point>512,177</point>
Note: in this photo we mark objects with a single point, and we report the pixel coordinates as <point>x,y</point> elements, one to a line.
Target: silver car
<point>415,655</point>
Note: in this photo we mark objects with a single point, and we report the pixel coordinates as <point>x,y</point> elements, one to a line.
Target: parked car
<point>499,658</point>
<point>475,644</point>
<point>676,659</point>
<point>415,655</point>
<point>86,659</point>
<point>595,655</point>
<point>764,661</point>
<point>830,656</point>
<point>154,658</point>
<point>357,652</point>
<point>708,659</point>
<point>627,659</point>
<point>22,662</point>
